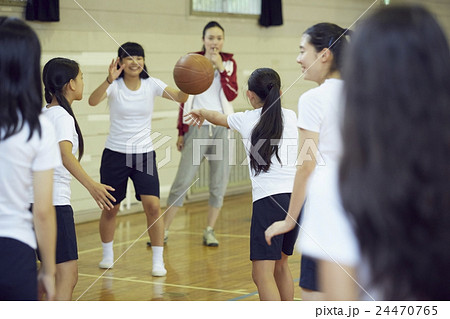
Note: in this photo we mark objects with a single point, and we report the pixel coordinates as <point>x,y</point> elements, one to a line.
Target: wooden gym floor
<point>194,272</point>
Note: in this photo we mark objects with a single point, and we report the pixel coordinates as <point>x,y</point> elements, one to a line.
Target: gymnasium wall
<point>90,31</point>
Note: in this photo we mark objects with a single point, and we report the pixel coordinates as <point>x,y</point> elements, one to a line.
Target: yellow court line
<point>116,244</point>
<point>238,292</point>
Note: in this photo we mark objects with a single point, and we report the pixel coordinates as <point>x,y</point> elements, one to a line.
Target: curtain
<point>271,13</point>
<point>42,10</point>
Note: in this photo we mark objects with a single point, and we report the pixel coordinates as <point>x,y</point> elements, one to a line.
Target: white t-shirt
<point>210,99</point>
<point>326,232</point>
<point>19,158</point>
<point>131,115</point>
<point>64,125</point>
<point>280,177</point>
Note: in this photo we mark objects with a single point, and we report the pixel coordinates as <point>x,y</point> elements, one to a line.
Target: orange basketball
<point>193,73</point>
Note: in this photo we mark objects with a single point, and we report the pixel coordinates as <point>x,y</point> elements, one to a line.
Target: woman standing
<point>129,151</point>
<point>321,50</point>
<point>63,82</point>
<point>271,138</point>
<point>395,172</point>
<point>223,90</point>
<point>28,155</point>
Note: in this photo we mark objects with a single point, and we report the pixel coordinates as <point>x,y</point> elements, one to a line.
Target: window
<point>13,2</point>
<point>226,7</point>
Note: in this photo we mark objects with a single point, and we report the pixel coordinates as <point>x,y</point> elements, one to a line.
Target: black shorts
<point>308,274</point>
<point>117,167</point>
<point>18,271</point>
<point>266,211</point>
<point>66,237</point>
<point>308,268</point>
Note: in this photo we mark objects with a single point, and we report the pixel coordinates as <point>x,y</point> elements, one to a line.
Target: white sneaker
<point>106,264</point>
<point>209,238</point>
<point>159,270</point>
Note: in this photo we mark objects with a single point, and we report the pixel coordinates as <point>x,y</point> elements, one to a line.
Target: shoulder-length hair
<point>395,172</point>
<point>20,84</point>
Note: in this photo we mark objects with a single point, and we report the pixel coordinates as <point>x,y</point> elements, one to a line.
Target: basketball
<point>193,73</point>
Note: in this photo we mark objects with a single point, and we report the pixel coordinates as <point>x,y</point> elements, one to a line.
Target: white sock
<point>158,255</point>
<point>108,252</point>
<point>208,228</point>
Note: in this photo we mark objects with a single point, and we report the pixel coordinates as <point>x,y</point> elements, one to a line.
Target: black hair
<point>394,174</point>
<point>331,36</point>
<point>209,25</point>
<point>56,74</point>
<point>20,74</point>
<point>130,49</point>
<point>266,84</point>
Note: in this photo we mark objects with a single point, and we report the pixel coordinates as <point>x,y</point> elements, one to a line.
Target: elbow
<point>306,168</point>
<point>44,211</point>
<point>65,159</point>
<point>92,102</point>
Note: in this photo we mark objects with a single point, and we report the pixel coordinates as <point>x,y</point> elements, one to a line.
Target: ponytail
<point>332,37</point>
<point>267,132</point>
<point>56,74</point>
<point>62,101</point>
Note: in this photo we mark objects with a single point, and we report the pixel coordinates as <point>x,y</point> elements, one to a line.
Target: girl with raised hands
<point>129,151</point>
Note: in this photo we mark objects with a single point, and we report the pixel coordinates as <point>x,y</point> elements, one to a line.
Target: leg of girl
<point>107,228</point>
<point>66,279</point>
<point>263,276</point>
<point>155,226</point>
<point>283,278</point>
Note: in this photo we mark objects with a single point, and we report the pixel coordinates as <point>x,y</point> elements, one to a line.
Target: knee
<point>75,279</point>
<point>281,266</point>
<point>152,210</point>
<point>259,276</point>
<point>110,214</point>
<point>215,199</point>
<point>255,277</point>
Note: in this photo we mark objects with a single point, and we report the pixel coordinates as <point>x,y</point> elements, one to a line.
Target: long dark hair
<point>395,172</point>
<point>132,49</point>
<point>57,73</point>
<point>266,84</point>
<point>20,74</point>
<point>210,25</point>
<point>331,36</point>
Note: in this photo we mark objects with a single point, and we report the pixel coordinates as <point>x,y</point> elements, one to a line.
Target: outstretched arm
<point>197,117</point>
<point>298,192</point>
<point>175,95</point>
<point>99,192</point>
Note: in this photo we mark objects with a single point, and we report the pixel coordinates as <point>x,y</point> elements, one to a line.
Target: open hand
<point>195,118</point>
<point>46,286</point>
<point>101,195</point>
<point>113,71</point>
